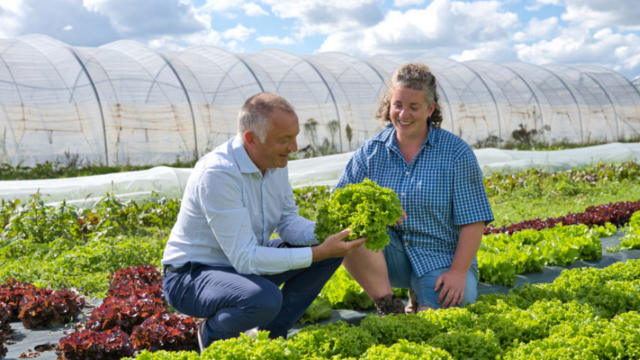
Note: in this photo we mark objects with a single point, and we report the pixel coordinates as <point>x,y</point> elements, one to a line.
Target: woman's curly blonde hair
<point>416,76</point>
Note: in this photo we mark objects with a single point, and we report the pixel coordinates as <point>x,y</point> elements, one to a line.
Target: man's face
<point>280,141</point>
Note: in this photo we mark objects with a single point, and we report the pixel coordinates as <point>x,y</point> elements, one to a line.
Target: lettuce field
<point>54,258</point>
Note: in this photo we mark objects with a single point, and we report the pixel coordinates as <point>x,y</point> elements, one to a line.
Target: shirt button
<point>407,173</point>
<point>402,194</point>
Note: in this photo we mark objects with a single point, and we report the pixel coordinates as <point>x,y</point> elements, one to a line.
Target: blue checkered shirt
<point>440,190</point>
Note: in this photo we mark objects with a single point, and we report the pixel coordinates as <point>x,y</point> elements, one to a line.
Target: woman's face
<point>409,112</point>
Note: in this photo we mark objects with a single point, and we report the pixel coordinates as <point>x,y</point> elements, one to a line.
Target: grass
<point>544,202</point>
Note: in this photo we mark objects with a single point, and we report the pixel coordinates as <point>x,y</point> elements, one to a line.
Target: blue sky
<point>601,32</point>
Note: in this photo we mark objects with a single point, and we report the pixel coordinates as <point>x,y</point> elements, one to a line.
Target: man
<point>219,262</point>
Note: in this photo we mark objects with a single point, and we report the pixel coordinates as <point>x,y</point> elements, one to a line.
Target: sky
<point>599,32</point>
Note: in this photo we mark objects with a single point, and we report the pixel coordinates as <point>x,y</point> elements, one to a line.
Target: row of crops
<point>64,247</point>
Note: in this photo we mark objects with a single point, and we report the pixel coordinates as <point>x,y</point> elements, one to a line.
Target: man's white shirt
<point>229,211</point>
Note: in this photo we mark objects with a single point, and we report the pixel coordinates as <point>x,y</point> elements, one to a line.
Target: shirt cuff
<point>300,258</point>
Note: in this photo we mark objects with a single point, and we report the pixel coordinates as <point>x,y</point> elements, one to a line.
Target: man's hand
<point>452,284</point>
<point>334,246</point>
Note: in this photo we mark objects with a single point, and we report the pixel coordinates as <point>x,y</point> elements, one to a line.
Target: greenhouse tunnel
<point>126,103</point>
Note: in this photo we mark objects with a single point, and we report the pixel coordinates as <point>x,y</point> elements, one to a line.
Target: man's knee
<point>263,301</point>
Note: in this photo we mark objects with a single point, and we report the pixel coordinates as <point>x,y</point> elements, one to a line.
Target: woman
<point>440,185</point>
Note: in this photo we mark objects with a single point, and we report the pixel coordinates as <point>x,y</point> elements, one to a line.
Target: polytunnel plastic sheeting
<point>85,191</point>
<point>355,87</point>
<point>561,104</point>
<point>473,111</point>
<point>599,113</point>
<point>218,83</point>
<point>126,103</point>
<point>326,170</point>
<point>154,111</point>
<point>624,96</point>
<point>304,86</point>
<point>50,110</point>
<point>518,104</point>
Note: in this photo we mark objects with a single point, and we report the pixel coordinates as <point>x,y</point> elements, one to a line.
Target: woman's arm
<point>453,281</point>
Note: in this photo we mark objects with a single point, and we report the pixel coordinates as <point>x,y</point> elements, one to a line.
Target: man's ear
<point>250,138</point>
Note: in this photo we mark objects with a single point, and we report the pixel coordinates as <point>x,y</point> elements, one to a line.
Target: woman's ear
<point>432,108</point>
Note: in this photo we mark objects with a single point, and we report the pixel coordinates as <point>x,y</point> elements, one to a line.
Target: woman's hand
<point>452,283</point>
<point>399,222</point>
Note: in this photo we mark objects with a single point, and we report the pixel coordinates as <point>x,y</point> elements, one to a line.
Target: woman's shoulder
<point>453,143</point>
<point>379,140</point>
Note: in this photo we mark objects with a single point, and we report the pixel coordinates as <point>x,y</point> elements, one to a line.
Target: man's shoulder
<point>220,158</point>
<point>218,162</point>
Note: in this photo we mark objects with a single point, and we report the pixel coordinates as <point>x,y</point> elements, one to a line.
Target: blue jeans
<point>402,275</point>
<point>233,303</point>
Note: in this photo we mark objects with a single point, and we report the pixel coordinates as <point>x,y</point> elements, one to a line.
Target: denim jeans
<point>233,303</point>
<point>402,275</point>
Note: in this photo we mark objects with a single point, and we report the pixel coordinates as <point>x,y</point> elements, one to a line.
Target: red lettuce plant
<point>124,313</point>
<point>3,349</point>
<point>616,213</point>
<point>87,344</point>
<point>166,332</point>
<point>139,289</point>
<point>146,274</point>
<point>11,293</point>
<point>5,317</point>
<point>48,308</point>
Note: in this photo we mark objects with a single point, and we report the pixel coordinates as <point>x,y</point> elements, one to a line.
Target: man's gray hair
<point>255,112</point>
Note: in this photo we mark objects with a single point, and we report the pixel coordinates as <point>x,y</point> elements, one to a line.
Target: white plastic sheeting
<point>126,103</point>
<point>170,182</point>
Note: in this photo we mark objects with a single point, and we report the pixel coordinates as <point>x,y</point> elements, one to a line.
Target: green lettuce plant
<point>365,208</point>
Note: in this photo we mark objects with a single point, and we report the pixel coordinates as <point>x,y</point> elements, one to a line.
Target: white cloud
<point>542,28</point>
<point>253,9</point>
<point>498,51</point>
<point>160,16</point>
<point>623,14</point>
<point>274,40</point>
<point>327,16</point>
<point>578,45</point>
<point>220,5</point>
<point>401,3</point>
<point>540,3</point>
<point>239,33</point>
<point>162,24</point>
<point>11,14</point>
<point>444,26</point>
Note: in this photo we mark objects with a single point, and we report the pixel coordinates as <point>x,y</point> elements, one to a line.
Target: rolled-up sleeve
<point>220,196</point>
<point>470,201</point>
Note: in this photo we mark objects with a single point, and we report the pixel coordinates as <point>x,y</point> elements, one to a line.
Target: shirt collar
<point>245,163</point>
<point>387,135</point>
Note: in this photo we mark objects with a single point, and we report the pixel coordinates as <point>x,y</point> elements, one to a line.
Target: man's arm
<point>220,197</point>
